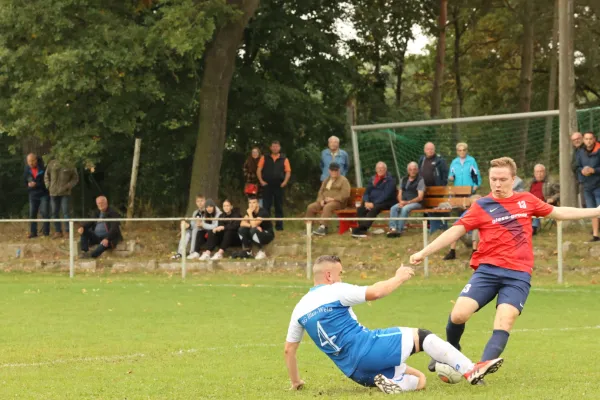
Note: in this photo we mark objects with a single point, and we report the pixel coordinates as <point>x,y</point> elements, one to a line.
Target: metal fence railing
<point>308,221</point>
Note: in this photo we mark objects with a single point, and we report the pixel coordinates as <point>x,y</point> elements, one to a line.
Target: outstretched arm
<point>566,213</point>
<point>444,240</point>
<point>415,372</point>
<point>292,365</point>
<point>383,288</point>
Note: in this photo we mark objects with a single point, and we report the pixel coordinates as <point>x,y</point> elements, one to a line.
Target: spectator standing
<point>255,230</point>
<point>433,167</point>
<point>588,169</point>
<point>333,195</point>
<point>208,222</point>
<point>106,234</point>
<point>577,142</point>
<point>410,195</point>
<point>191,229</point>
<point>331,154</point>
<point>464,170</point>
<point>225,235</point>
<point>544,188</point>
<point>39,200</point>
<point>252,185</point>
<point>274,173</point>
<point>380,195</point>
<point>59,180</point>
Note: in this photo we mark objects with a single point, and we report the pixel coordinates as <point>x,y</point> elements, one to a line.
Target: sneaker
<point>481,369</point>
<point>450,256</point>
<point>260,255</point>
<point>205,256</point>
<point>386,385</point>
<point>358,233</point>
<point>217,256</point>
<point>595,239</point>
<point>176,256</point>
<point>320,231</point>
<point>392,234</point>
<point>193,256</point>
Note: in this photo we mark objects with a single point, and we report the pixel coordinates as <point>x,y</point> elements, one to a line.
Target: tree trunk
<point>436,93</point>
<point>457,77</point>
<point>219,65</point>
<point>552,88</point>
<point>399,72</point>
<point>526,77</point>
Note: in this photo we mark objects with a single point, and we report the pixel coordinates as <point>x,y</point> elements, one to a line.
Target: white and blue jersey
<point>325,312</point>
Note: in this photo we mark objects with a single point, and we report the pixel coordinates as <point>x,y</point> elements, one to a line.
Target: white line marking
<point>182,352</point>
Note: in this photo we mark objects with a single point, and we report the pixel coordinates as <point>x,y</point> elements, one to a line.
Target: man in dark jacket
<point>588,171</point>
<point>433,167</point>
<point>380,195</point>
<point>39,199</point>
<point>577,142</point>
<point>105,234</point>
<point>274,173</point>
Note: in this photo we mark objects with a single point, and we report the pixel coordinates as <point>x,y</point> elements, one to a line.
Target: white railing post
<point>308,249</point>
<point>71,250</point>
<point>425,242</point>
<point>184,255</point>
<point>559,239</point>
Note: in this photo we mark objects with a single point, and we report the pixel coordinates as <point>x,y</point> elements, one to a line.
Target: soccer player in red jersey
<point>503,262</point>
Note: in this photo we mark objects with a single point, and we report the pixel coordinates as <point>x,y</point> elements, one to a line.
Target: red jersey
<point>505,230</point>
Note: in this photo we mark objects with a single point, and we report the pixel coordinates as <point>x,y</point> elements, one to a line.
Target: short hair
<point>252,197</point>
<point>334,138</point>
<point>275,142</point>
<point>590,133</point>
<point>381,162</point>
<point>200,196</point>
<point>505,162</point>
<point>412,163</point>
<point>328,259</point>
<point>539,165</point>
<point>462,144</point>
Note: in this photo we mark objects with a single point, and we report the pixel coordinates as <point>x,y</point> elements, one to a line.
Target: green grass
<point>221,336</point>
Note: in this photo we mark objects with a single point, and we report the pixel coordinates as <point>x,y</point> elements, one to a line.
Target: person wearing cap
<point>333,195</point>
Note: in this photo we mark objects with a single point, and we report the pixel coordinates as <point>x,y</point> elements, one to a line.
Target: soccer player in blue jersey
<point>368,357</point>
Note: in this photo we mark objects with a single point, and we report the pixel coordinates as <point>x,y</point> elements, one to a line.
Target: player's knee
<point>423,333</point>
<point>459,316</point>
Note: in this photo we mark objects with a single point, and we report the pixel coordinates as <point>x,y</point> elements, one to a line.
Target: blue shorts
<point>390,348</point>
<point>512,287</point>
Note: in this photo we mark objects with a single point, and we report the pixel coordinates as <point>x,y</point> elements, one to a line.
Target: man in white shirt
<point>368,357</point>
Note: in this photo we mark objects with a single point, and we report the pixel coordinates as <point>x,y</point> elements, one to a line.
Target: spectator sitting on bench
<point>226,234</point>
<point>208,222</point>
<point>333,195</point>
<point>106,234</point>
<point>380,195</point>
<point>544,189</point>
<point>253,229</point>
<point>410,195</point>
<point>191,230</point>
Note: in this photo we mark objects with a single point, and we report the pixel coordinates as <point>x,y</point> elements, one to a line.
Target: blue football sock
<point>495,346</point>
<point>454,332</point>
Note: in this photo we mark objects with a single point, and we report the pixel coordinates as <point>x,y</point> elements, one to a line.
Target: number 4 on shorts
<point>325,339</point>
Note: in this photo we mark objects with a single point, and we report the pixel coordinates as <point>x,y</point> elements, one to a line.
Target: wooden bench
<point>456,196</point>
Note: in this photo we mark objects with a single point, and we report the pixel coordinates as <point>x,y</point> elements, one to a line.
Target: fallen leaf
<point>452,301</point>
<point>130,372</point>
<point>233,295</point>
<point>83,291</point>
<point>363,275</point>
<point>179,304</point>
<point>245,285</point>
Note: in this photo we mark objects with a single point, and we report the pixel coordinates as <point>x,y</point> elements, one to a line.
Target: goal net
<point>528,138</point>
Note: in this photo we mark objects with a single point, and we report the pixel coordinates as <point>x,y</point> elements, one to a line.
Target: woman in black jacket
<point>226,234</point>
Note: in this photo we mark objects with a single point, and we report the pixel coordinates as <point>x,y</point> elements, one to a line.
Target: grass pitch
<point>221,336</point>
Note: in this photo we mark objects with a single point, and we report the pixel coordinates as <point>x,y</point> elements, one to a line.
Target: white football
<point>447,374</point>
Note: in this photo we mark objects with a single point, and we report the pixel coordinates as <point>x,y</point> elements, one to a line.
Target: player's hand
<point>297,385</point>
<point>404,273</point>
<point>416,258</point>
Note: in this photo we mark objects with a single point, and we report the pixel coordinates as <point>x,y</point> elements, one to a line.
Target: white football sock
<point>444,352</point>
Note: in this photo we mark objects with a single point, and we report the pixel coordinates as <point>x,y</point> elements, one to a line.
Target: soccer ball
<point>447,374</point>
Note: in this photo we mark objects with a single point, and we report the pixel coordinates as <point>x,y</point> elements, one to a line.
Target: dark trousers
<point>60,204</point>
<point>89,238</point>
<point>201,241</point>
<point>250,235</point>
<point>362,212</point>
<point>39,204</point>
<point>273,195</point>
<point>226,239</point>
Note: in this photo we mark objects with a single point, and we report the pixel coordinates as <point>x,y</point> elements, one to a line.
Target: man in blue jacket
<point>380,195</point>
<point>39,198</point>
<point>464,170</point>
<point>433,167</point>
<point>588,171</point>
